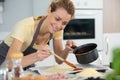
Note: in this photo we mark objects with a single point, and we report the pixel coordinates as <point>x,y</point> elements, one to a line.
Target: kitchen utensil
<point>67,62</point>
<point>86,53</point>
<point>34,71</point>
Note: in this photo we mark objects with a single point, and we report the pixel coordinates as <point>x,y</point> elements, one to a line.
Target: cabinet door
<point>111,16</point>
<point>40,7</point>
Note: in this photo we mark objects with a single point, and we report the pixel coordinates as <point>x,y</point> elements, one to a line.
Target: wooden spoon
<point>67,62</point>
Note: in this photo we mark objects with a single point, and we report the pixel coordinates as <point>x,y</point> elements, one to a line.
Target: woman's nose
<point>62,27</point>
<point>59,26</point>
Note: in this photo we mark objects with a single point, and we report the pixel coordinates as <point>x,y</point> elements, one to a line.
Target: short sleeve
<point>20,32</point>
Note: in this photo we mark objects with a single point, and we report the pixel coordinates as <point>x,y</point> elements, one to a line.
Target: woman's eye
<point>57,19</point>
<point>64,23</point>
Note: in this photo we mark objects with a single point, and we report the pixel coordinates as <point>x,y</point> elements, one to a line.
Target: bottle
<point>4,71</point>
<point>17,70</point>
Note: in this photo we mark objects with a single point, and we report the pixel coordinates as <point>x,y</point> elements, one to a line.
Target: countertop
<point>100,68</point>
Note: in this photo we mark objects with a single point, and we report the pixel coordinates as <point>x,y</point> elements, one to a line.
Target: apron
<point>4,47</point>
<point>3,51</point>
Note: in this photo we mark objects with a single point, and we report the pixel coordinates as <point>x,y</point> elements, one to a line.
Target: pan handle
<point>73,47</point>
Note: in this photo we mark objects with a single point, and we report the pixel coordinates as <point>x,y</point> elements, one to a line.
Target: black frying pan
<point>86,53</point>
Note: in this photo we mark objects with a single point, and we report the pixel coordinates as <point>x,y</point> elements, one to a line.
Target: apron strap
<point>29,49</point>
<point>51,35</point>
<point>36,33</point>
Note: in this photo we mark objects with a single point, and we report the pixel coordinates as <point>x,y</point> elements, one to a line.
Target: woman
<point>31,35</point>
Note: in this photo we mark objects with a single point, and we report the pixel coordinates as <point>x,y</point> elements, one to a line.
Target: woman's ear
<point>49,10</point>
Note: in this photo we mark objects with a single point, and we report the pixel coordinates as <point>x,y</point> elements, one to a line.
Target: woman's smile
<point>54,29</point>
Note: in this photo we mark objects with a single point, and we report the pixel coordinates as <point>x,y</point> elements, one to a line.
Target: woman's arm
<point>58,48</point>
<point>41,54</point>
<point>16,46</point>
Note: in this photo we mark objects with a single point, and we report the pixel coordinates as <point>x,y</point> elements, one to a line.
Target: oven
<point>87,26</point>
<point>74,29</point>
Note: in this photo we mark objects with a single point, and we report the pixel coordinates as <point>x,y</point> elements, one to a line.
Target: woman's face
<point>57,20</point>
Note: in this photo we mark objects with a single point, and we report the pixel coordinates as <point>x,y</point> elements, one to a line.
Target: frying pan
<point>86,53</point>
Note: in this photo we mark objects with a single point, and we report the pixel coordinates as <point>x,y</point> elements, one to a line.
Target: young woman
<point>31,36</point>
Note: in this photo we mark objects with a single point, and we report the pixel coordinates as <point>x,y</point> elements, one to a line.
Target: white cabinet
<point>111,41</point>
<point>111,16</point>
<point>88,4</point>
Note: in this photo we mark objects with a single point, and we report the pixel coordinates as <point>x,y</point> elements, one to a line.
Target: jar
<point>17,70</point>
<point>4,71</point>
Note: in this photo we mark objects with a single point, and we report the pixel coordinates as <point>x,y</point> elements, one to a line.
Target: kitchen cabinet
<point>111,16</point>
<point>111,41</point>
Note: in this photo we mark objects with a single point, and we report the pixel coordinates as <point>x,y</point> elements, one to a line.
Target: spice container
<point>17,70</point>
<point>4,71</point>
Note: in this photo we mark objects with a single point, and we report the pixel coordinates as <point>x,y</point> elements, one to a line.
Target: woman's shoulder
<point>40,17</point>
<point>25,24</point>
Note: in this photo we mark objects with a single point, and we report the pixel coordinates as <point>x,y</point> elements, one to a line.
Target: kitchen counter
<point>99,68</point>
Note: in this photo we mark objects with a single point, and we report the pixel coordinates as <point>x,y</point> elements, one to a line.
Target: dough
<point>86,72</point>
<point>59,68</point>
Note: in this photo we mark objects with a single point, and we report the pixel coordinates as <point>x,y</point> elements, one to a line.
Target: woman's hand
<point>69,44</point>
<point>43,52</point>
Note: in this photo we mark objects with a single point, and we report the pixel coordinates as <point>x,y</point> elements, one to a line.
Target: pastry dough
<point>86,72</point>
<point>59,68</point>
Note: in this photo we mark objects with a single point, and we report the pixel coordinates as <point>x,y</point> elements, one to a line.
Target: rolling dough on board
<point>59,68</point>
<point>89,72</point>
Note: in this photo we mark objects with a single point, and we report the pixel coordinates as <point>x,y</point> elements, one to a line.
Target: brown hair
<point>66,4</point>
